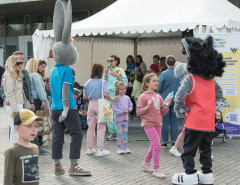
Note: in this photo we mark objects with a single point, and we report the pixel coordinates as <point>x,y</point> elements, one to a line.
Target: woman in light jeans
<point>35,70</point>
<point>13,90</point>
<point>92,90</point>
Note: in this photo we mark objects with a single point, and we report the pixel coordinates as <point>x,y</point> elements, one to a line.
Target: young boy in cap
<point>21,159</point>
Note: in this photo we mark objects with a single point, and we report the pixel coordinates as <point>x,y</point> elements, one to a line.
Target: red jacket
<point>155,68</point>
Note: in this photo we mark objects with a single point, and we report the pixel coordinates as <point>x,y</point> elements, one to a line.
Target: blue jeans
<point>171,120</point>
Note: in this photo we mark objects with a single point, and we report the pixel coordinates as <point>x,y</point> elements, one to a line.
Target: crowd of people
<point>136,91</point>
<point>122,88</point>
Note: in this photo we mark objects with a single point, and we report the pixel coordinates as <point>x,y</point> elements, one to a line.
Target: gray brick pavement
<point>126,169</point>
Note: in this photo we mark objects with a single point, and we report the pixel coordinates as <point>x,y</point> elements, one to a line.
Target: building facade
<point>20,18</point>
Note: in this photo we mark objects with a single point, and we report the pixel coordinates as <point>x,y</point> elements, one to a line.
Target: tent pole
<point>92,53</point>
<point>135,45</point>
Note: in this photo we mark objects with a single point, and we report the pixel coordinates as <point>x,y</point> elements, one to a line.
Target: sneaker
<point>103,153</point>
<point>91,151</point>
<point>186,179</point>
<point>78,171</point>
<point>42,151</point>
<point>45,143</point>
<point>120,151</point>
<point>146,166</point>
<point>127,151</point>
<point>49,137</point>
<point>157,173</point>
<point>112,137</point>
<point>59,169</point>
<point>164,145</point>
<point>174,151</point>
<point>136,117</point>
<point>205,178</point>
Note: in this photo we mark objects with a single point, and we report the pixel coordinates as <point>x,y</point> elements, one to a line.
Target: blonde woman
<point>39,94</point>
<point>13,90</point>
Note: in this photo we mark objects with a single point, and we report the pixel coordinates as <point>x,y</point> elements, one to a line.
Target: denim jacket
<point>38,87</point>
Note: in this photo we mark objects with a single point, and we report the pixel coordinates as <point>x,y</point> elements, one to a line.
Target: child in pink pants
<point>151,109</point>
<point>92,91</point>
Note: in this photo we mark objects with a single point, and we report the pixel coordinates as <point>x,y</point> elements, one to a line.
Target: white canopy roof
<point>154,17</point>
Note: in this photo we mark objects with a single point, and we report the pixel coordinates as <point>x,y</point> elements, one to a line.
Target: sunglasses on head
<point>19,63</point>
<point>110,61</point>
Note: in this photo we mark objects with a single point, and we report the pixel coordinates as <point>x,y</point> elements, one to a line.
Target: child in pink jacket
<point>151,109</point>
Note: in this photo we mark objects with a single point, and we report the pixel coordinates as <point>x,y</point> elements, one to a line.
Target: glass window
<point>27,25</point>
<point>30,50</point>
<point>36,22</point>
<point>49,21</point>
<point>15,26</point>
<point>10,49</point>
<point>78,16</point>
<point>2,27</point>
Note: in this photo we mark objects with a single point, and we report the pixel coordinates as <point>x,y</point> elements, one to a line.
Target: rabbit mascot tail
<point>196,99</point>
<point>64,112</point>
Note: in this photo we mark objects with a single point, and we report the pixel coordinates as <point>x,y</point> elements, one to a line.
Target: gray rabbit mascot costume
<point>196,99</point>
<point>64,111</point>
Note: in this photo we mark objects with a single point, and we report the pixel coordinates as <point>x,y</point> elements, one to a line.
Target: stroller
<point>218,131</point>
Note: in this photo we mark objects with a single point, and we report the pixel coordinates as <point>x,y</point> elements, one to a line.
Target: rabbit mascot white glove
<point>197,97</point>
<point>64,111</point>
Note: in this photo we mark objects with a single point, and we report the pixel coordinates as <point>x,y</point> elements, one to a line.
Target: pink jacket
<point>153,116</point>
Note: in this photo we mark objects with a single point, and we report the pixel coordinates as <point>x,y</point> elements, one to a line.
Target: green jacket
<point>137,89</point>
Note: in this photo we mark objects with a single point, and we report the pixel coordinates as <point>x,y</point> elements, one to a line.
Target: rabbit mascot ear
<point>64,52</point>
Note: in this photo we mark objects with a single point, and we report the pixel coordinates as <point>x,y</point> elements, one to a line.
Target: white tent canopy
<point>152,18</point>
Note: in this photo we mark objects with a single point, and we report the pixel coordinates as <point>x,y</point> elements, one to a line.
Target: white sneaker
<point>157,173</point>
<point>174,151</point>
<point>49,137</point>
<point>120,151</point>
<point>45,143</point>
<point>91,151</point>
<point>205,178</point>
<point>146,166</point>
<point>103,153</point>
<point>183,178</point>
<point>127,151</point>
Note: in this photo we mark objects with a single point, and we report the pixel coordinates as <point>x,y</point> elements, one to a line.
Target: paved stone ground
<point>126,169</point>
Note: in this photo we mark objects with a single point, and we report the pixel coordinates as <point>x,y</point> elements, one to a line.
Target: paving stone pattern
<point>126,169</point>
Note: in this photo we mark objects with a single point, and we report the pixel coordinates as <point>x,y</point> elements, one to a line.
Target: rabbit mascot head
<point>64,52</point>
